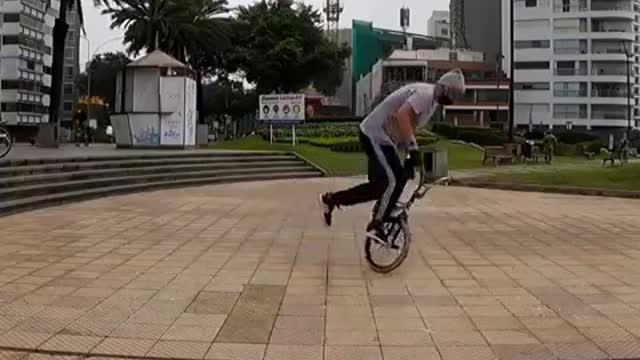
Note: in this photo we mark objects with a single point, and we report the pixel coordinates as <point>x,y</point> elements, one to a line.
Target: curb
<point>567,190</point>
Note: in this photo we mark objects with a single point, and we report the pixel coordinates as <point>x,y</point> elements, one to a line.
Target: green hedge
<point>574,138</point>
<point>483,137</point>
<point>322,130</point>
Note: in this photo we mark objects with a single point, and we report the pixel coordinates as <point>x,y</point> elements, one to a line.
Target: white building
<point>25,60</point>
<point>570,62</point>
<point>438,24</point>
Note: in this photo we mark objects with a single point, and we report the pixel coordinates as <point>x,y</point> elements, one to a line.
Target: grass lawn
<point>461,157</point>
<point>619,178</point>
<point>335,163</point>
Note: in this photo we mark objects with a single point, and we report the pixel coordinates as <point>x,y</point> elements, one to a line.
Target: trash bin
<point>436,164</point>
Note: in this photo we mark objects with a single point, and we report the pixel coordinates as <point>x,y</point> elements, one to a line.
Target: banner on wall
<point>282,108</point>
<point>190,112</point>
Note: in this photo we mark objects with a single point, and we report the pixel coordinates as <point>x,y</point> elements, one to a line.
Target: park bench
<point>497,154</point>
<point>536,154</point>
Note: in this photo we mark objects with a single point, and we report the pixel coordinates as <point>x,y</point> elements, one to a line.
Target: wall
<point>363,95</point>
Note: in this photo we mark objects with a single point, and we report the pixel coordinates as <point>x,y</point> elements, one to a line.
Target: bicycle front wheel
<point>386,258</point>
<point>6,142</point>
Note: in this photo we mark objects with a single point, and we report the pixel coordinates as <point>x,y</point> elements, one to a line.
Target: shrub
<point>566,150</point>
<point>484,137</point>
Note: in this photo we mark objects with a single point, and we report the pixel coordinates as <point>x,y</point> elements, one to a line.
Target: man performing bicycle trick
<point>385,133</point>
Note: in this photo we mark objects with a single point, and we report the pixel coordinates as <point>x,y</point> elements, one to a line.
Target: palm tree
<point>192,31</point>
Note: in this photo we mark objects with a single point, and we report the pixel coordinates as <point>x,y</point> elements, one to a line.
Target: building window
<point>532,44</point>
<point>532,65</point>
<point>46,70</point>
<point>11,18</point>
<point>68,89</point>
<point>68,106</point>
<point>532,86</point>
<point>10,40</point>
<point>530,3</point>
<point>69,53</point>
<point>444,32</point>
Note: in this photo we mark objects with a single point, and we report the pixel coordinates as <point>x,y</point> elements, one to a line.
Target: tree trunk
<point>57,68</point>
<point>200,97</point>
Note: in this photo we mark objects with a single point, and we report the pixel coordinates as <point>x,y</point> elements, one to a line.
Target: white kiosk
<point>155,104</point>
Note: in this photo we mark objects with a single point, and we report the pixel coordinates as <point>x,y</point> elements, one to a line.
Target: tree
<point>281,47</point>
<point>192,31</point>
<point>228,97</point>
<point>60,30</point>
<point>104,71</point>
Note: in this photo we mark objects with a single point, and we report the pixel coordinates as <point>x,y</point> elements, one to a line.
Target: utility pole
<point>511,70</point>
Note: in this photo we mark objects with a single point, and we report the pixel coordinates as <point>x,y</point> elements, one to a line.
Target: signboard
<point>282,108</point>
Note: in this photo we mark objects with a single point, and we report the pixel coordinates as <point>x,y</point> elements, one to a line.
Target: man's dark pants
<point>387,180</point>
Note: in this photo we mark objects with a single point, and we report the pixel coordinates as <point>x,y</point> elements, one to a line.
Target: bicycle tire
<point>403,253</point>
<point>5,151</point>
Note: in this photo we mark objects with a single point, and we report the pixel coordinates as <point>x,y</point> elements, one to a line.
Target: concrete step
<point>142,156</point>
<point>162,168</point>
<point>17,192</point>
<point>35,202</point>
<point>30,169</point>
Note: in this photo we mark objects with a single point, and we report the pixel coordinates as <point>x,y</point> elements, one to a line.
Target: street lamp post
<point>90,56</point>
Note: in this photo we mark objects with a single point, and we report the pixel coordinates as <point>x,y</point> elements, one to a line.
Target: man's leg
<point>370,191</point>
<point>397,180</point>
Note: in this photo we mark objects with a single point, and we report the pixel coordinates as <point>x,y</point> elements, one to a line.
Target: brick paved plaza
<point>249,272</point>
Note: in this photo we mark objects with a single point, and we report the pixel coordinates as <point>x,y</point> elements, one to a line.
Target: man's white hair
<point>454,82</point>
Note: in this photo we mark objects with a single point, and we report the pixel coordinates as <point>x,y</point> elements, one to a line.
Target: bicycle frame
<point>423,188</point>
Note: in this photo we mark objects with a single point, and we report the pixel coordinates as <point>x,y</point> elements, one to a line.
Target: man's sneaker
<point>327,204</point>
<point>376,233</point>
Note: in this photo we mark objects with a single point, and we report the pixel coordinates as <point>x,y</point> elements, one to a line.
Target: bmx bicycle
<point>6,141</point>
<point>397,232</point>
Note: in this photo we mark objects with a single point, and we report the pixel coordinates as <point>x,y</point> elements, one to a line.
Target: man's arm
<point>406,119</point>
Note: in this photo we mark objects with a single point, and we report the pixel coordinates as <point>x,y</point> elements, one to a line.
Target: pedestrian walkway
<point>248,271</point>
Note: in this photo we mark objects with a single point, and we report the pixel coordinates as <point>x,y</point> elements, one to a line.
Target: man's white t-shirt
<point>421,98</point>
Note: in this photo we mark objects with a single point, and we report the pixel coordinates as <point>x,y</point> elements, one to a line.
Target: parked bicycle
<point>6,141</point>
<point>397,232</point>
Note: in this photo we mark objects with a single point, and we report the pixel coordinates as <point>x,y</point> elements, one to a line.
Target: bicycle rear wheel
<point>6,142</point>
<point>386,258</point>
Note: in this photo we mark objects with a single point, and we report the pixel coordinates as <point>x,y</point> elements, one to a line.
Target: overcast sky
<point>384,14</point>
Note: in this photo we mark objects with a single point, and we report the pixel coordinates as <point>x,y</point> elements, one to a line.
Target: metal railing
<point>570,93</point>
<point>571,72</point>
<point>608,72</point>
<point>608,115</point>
<point>569,115</point>
<point>610,6</point>
<point>609,93</point>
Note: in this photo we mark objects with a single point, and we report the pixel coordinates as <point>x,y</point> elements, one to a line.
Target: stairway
<point>34,183</point>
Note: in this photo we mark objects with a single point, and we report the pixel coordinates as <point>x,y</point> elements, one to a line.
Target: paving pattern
<point>248,272</point>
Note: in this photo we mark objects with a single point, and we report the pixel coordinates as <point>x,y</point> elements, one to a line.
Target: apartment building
<point>71,68</point>
<point>25,60</point>
<point>438,24</point>
<point>570,64</point>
